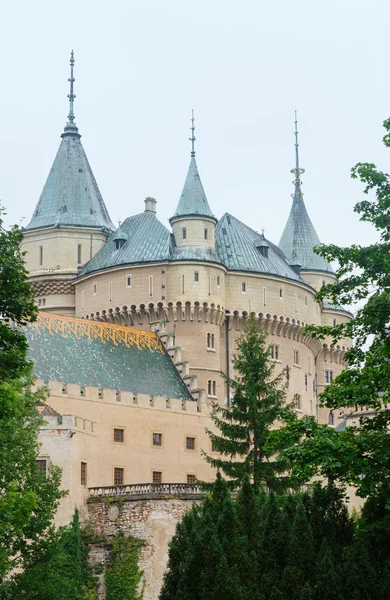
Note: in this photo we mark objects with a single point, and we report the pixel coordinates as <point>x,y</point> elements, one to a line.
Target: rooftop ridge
<point>118,334</point>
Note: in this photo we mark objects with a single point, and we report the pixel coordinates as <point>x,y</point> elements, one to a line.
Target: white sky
<point>243,66</point>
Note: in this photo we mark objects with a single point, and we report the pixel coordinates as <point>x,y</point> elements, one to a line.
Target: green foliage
<point>16,304</point>
<point>57,568</point>
<point>248,440</point>
<point>122,575</point>
<point>263,547</point>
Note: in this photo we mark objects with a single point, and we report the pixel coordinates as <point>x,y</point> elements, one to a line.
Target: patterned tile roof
<point>193,201</point>
<point>102,355</point>
<point>71,196</point>
<point>299,238</point>
<point>238,247</point>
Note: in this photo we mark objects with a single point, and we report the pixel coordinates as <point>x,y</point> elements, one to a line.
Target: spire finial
<point>71,95</point>
<point>297,171</point>
<point>192,138</point>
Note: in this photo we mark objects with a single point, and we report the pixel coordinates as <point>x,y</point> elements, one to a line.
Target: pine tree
<point>306,593</point>
<point>328,584</point>
<point>360,576</point>
<point>248,440</point>
<point>122,575</point>
<point>301,555</point>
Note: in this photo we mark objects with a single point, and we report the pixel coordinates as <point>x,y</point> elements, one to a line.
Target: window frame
<point>117,429</point>
<point>83,473</point>
<point>127,277</point>
<point>296,357</point>
<point>117,471</point>
<point>243,287</point>
<point>39,462</point>
<point>40,256</point>
<point>155,473</point>
<point>184,233</point>
<point>196,276</point>
<point>157,433</point>
<point>79,249</point>
<point>187,443</point>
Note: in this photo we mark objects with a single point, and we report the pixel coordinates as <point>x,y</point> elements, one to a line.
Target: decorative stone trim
<point>52,287</point>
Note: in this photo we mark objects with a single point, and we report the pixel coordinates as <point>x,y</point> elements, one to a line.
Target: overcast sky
<point>243,66</point>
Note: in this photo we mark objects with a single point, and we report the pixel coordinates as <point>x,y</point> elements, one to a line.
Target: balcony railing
<point>147,490</point>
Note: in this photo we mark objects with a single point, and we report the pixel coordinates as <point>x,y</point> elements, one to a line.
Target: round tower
<point>70,222</point>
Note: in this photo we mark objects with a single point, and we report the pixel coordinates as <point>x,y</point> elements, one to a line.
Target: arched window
<point>330,418</point>
<point>214,388</point>
<point>209,387</point>
<point>212,340</point>
<point>208,340</point>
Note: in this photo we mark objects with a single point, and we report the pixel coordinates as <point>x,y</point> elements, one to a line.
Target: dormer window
<point>264,251</point>
<point>119,244</point>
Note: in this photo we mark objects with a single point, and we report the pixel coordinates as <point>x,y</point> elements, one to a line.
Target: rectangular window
<point>150,286</point>
<point>184,230</point>
<point>280,292</point>
<point>196,276</point>
<point>119,435</point>
<point>334,322</point>
<point>94,289</point>
<point>243,287</point>
<point>41,464</point>
<point>129,281</point>
<point>191,478</point>
<point>298,401</point>
<point>206,234</point>
<point>328,376</point>
<point>190,443</point>
<point>296,357</point>
<point>296,303</point>
<point>275,352</point>
<point>213,447</point>
<point>209,286</point>
<point>265,296</point>
<point>218,281</point>
<point>83,473</point>
<point>157,476</point>
<point>110,291</point>
<point>79,254</point>
<point>82,300</point>
<point>40,255</point>
<point>182,284</point>
<point>305,300</point>
<point>157,439</point>
<point>118,475</point>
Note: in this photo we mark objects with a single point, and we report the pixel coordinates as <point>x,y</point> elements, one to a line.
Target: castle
<point>137,322</point>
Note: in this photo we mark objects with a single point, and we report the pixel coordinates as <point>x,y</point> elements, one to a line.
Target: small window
<point>334,322</point>
<point>280,292</point>
<point>119,244</point>
<point>119,435</point>
<point>196,276</point>
<point>330,418</point>
<point>82,300</point>
<point>83,473</point>
<point>184,230</point>
<point>129,281</point>
<point>323,282</point>
<point>274,352</point>
<point>243,287</point>
<point>296,303</point>
<point>328,376</point>
<point>265,296</point>
<point>218,281</point>
<point>190,443</point>
<point>305,300</point>
<point>209,387</point>
<point>118,475</point>
<point>110,291</point>
<point>209,286</point>
<point>43,301</point>
<point>94,289</point>
<point>41,464</point>
<point>40,255</point>
<point>157,476</point>
<point>79,254</point>
<point>191,478</point>
<point>206,234</point>
<point>150,286</point>
<point>182,284</point>
<point>298,400</point>
<point>157,439</point>
<point>213,446</point>
<point>296,357</point>
<point>214,388</point>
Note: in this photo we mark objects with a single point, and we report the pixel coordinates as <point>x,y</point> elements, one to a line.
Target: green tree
<point>328,584</point>
<point>299,569</point>
<point>122,575</point>
<point>248,440</point>
<point>28,499</point>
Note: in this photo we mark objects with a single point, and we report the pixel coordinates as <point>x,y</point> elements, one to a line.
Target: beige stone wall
<point>195,232</point>
<point>316,279</point>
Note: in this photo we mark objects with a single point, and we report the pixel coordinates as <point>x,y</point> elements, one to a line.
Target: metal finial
<point>262,231</point>
<point>192,138</point>
<point>71,95</point>
<point>297,171</point>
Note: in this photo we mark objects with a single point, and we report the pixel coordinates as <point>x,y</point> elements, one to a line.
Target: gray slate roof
<point>193,201</point>
<point>236,246</point>
<point>71,195</point>
<point>299,238</point>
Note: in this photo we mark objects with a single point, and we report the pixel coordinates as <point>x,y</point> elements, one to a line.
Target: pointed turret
<point>193,201</point>
<point>299,237</point>
<point>70,222</point>
<point>71,196</point>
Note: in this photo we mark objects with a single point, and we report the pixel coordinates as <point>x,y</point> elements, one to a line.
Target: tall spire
<point>192,138</point>
<point>193,201</point>
<point>297,171</point>
<point>71,126</point>
<point>299,237</point>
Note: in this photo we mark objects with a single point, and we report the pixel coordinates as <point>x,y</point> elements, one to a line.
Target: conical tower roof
<point>71,196</point>
<point>299,237</point>
<point>193,201</point>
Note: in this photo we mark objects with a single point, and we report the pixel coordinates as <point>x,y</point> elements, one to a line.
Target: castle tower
<point>299,237</point>
<point>193,223</point>
<point>70,222</point>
